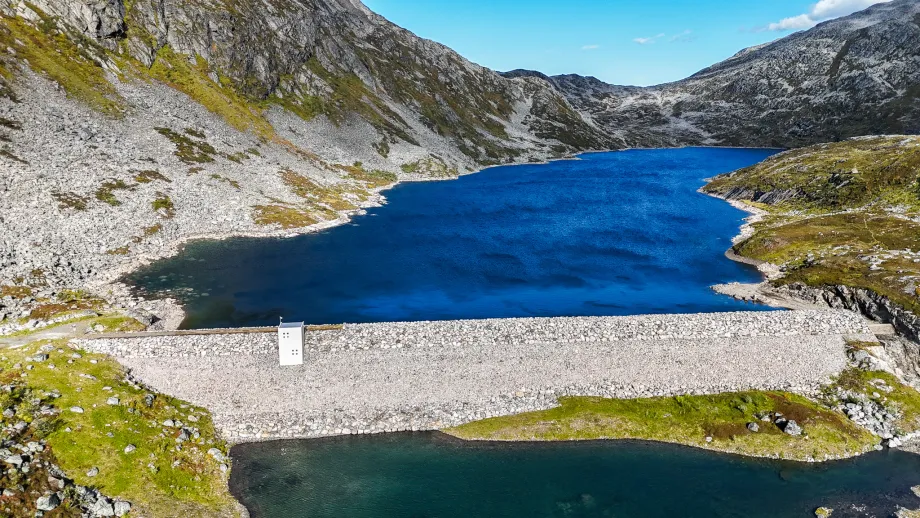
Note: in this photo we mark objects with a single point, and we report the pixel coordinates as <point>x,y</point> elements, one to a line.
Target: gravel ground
<point>436,380</point>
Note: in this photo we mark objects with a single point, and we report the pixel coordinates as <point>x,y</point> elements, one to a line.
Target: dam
<point>386,377</point>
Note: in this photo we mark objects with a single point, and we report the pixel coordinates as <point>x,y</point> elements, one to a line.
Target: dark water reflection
<point>426,475</point>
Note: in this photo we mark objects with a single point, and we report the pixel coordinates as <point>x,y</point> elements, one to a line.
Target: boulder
<point>101,507</point>
<point>122,508</point>
<point>792,428</point>
<point>217,454</point>
<point>754,427</point>
<point>47,502</point>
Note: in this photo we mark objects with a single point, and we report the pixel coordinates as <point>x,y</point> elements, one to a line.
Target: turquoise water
<point>610,234</point>
<point>428,475</point>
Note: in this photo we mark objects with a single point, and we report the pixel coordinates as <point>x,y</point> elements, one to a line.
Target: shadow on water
<point>611,234</point>
<point>435,476</point>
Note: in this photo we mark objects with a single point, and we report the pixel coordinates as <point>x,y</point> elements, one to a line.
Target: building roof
<point>287,325</point>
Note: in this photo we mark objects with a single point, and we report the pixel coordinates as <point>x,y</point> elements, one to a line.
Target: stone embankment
<point>370,378</point>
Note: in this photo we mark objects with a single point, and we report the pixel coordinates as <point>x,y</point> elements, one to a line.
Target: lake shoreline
<point>111,285</point>
<point>174,313</point>
<point>760,292</point>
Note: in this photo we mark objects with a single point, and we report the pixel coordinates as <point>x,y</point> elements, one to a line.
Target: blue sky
<point>638,42</point>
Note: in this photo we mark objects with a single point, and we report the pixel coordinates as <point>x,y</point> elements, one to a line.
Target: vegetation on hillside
<point>195,79</point>
<point>473,117</point>
<point>94,422</point>
<point>109,433</point>
<point>846,213</point>
<point>65,58</point>
<point>863,173</point>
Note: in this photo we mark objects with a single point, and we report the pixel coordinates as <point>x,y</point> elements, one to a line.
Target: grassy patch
<point>237,157</point>
<point>106,192</point>
<point>371,179</point>
<point>162,477</point>
<point>10,124</point>
<point>189,150</point>
<point>51,309</point>
<point>150,176</point>
<point>286,217</point>
<point>433,167</point>
<point>76,295</point>
<point>193,77</point>
<point>152,230</point>
<point>844,217</point>
<point>233,183</point>
<point>70,200</point>
<point>122,250</point>
<point>147,232</point>
<point>382,148</point>
<point>17,292</point>
<point>856,249</point>
<point>687,420</point>
<point>882,171</point>
<point>162,204</point>
<point>51,52</point>
<point>118,324</point>
<point>324,199</point>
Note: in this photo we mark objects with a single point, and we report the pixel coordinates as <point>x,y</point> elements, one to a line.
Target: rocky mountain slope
<point>126,126</point>
<point>858,75</point>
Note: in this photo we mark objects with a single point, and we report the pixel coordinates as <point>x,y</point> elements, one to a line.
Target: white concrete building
<point>290,343</point>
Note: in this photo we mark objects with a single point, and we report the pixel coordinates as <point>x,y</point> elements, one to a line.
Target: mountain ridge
<point>128,126</point>
<point>852,76</point>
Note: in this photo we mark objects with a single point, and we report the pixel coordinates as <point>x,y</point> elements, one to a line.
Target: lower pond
<point>609,234</point>
<point>430,475</point>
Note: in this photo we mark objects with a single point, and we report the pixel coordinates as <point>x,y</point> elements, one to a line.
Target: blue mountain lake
<point>609,234</point>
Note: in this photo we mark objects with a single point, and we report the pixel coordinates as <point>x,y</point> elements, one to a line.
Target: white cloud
<point>687,35</point>
<point>590,47</point>
<point>646,41</point>
<point>822,11</point>
<point>793,23</point>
